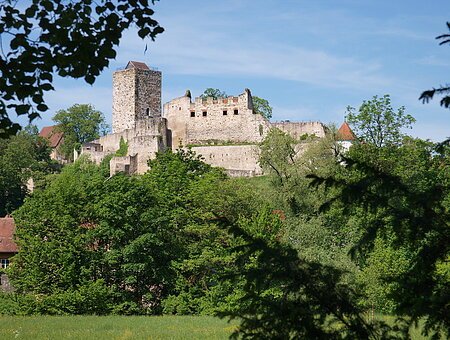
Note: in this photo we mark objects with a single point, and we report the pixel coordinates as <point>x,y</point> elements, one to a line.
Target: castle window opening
<point>225,112</point>
<point>236,111</point>
<point>192,113</point>
<point>147,111</point>
<point>204,113</point>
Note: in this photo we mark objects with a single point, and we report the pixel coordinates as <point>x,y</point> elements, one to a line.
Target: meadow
<point>114,327</point>
<point>125,327</point>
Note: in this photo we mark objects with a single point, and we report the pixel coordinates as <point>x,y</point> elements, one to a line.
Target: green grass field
<point>124,327</point>
<point>114,327</point>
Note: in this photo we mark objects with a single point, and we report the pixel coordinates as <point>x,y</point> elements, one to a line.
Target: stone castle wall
<point>298,129</point>
<point>209,120</point>
<point>177,114</point>
<point>136,96</point>
<point>238,160</point>
<point>144,140</point>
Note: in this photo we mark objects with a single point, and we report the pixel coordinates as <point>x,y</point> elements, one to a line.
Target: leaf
<point>42,107</point>
<point>143,32</point>
<point>22,109</point>
<point>90,79</point>
<point>46,87</point>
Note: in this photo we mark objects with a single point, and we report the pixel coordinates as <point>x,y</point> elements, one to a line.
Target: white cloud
<point>73,92</point>
<point>213,56</point>
<point>433,61</point>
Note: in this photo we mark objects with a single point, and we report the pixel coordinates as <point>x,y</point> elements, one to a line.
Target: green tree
<point>278,153</point>
<point>376,122</point>
<point>72,39</point>
<point>404,193</point>
<point>22,157</point>
<point>123,148</point>
<point>151,243</point>
<point>261,106</point>
<point>382,267</point>
<point>214,93</point>
<point>80,123</point>
<point>285,297</point>
<point>319,237</point>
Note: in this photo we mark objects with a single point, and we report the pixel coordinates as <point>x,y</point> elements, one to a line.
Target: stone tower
<point>136,95</point>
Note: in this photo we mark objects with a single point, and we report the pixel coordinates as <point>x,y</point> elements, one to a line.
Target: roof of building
<point>345,133</point>
<point>7,229</point>
<point>52,135</point>
<point>137,64</point>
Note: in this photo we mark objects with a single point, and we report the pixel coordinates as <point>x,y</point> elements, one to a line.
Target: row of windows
<point>224,112</point>
<point>4,263</point>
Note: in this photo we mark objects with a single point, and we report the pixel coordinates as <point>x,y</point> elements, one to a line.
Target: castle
<point>225,131</point>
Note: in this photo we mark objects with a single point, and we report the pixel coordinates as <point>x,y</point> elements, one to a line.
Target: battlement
<point>230,119</point>
<point>242,99</point>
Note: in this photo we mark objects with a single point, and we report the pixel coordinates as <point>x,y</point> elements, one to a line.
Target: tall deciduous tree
<point>22,156</point>
<point>214,93</point>
<point>70,38</point>
<point>261,106</point>
<point>80,123</point>
<point>376,122</point>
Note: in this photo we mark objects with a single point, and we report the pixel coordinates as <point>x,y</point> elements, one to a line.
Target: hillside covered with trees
<point>324,238</point>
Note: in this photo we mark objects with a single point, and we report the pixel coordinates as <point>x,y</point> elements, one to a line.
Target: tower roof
<point>345,133</point>
<point>137,64</point>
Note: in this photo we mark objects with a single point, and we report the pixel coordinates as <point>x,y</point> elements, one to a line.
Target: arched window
<point>147,111</point>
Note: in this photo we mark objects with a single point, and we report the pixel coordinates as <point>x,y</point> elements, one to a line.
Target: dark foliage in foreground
<point>285,297</point>
<point>407,191</point>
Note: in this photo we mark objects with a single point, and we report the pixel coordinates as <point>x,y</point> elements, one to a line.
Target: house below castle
<point>225,131</point>
<point>55,138</point>
<point>8,249</point>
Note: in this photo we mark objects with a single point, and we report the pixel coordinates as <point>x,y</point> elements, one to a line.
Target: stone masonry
<point>222,120</point>
<point>225,131</point>
<point>136,119</point>
<point>136,95</point>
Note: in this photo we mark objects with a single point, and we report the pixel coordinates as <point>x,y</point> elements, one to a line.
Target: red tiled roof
<point>345,133</point>
<point>137,64</point>
<point>7,229</point>
<point>53,136</point>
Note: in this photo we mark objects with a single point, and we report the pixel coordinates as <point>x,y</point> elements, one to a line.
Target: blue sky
<point>310,59</point>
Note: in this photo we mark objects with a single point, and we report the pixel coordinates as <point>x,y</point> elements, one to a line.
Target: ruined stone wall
<point>238,160</point>
<point>5,284</point>
<point>297,129</point>
<point>207,120</point>
<point>148,137</point>
<point>177,112</point>
<point>136,95</point>
<point>126,164</point>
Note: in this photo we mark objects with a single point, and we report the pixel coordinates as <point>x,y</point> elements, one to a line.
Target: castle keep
<point>225,131</point>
